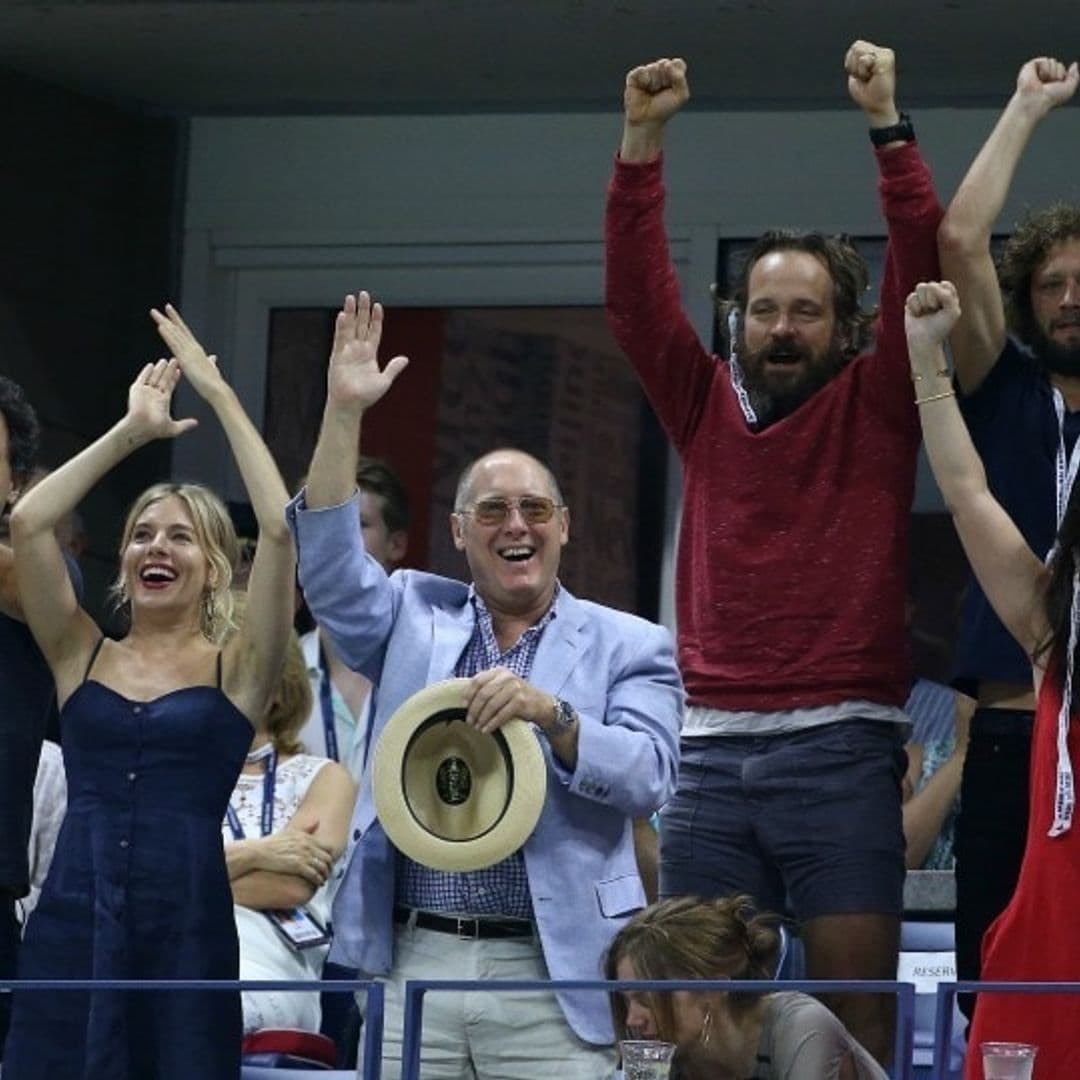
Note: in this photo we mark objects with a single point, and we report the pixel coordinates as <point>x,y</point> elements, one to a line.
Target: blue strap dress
<point>138,889</point>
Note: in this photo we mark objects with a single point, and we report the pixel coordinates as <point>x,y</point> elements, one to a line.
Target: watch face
<point>564,714</point>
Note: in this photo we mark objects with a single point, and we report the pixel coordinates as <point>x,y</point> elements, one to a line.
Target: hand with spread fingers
<point>354,382</point>
<point>871,71</point>
<point>149,414</point>
<point>354,379</point>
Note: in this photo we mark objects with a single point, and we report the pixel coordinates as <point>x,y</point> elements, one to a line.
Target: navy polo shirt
<point>1014,427</point>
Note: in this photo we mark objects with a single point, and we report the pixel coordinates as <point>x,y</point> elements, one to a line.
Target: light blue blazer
<point>408,630</point>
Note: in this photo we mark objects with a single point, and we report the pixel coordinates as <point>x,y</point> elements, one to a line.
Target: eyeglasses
<point>535,509</point>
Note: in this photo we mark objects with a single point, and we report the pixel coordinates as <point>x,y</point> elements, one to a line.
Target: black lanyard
<point>326,703</point>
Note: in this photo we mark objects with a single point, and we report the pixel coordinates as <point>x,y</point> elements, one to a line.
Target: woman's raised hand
<point>930,312</point>
<point>150,400</point>
<point>197,367</point>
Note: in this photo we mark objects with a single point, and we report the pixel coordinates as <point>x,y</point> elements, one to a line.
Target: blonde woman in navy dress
<point>138,886</point>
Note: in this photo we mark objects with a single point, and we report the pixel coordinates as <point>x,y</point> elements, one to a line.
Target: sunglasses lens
<point>491,511</point>
<point>536,510</point>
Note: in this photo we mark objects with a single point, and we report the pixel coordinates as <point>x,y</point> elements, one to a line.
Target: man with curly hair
<point>798,452</point>
<point>1016,350</point>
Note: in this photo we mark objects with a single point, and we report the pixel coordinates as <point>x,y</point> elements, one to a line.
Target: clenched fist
<point>654,93</point>
<point>1045,82</point>
<point>871,71</point>
<point>931,311</point>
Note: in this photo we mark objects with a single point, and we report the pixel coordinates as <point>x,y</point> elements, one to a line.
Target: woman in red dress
<point>1037,937</point>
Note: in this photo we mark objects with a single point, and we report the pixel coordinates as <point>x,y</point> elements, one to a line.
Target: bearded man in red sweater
<point>798,454</point>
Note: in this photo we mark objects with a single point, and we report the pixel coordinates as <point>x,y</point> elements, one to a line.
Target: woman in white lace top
<point>286,828</point>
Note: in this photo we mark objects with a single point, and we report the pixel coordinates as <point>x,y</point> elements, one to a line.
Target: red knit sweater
<point>793,553</point>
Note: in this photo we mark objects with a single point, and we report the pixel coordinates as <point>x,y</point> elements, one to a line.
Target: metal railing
<point>415,989</point>
<point>943,1016</point>
<point>373,1013</point>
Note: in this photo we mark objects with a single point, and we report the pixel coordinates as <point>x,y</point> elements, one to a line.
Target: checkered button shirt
<point>502,889</point>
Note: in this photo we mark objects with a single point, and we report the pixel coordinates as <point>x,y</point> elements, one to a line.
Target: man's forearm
<point>912,213</point>
<point>332,478</point>
<point>641,143</point>
<point>982,193</point>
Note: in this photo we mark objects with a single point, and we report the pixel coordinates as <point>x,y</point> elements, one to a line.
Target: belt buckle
<point>468,929</point>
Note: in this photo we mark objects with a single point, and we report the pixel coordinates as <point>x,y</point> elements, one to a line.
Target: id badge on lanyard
<point>300,929</point>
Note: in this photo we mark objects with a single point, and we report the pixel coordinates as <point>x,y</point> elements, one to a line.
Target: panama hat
<point>451,797</point>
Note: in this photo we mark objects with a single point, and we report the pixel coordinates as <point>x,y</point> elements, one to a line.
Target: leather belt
<point>468,929</point>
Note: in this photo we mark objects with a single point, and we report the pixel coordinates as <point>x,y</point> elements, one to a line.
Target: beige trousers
<point>483,1035</point>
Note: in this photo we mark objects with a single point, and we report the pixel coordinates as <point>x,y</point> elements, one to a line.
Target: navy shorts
<point>807,823</point>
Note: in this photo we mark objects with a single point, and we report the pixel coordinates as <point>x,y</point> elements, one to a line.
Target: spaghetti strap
<point>93,657</point>
<point>219,669</point>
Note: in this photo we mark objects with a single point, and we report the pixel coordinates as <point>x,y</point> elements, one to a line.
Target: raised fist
<point>655,92</point>
<point>1047,82</point>
<point>931,311</point>
<point>871,71</point>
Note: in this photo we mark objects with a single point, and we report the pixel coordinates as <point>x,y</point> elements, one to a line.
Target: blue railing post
<point>412,1028</point>
<point>943,1018</point>
<point>374,1014</point>
<point>903,1067</point>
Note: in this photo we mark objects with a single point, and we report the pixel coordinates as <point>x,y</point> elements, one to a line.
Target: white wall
<point>507,209</point>
<point>402,178</point>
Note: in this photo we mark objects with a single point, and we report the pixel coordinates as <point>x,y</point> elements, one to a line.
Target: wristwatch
<point>902,131</point>
<point>565,717</point>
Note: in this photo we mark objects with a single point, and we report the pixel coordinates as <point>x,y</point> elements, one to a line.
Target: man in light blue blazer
<point>600,687</point>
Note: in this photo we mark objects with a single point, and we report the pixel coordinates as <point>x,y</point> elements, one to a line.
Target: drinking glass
<point>646,1059</point>
<point>1008,1060</point>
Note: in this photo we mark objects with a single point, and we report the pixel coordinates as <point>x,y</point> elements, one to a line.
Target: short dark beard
<point>770,405</point>
<point>1056,359</point>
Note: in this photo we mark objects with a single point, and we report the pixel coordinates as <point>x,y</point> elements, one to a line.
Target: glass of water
<point>646,1059</point>
<point>1008,1060</point>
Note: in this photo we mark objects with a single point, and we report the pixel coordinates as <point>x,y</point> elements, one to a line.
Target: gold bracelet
<point>943,373</point>
<point>935,397</point>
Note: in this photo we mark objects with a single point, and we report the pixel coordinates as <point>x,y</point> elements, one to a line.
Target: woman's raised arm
<point>1007,569</point>
<point>253,657</point>
<point>64,632</point>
